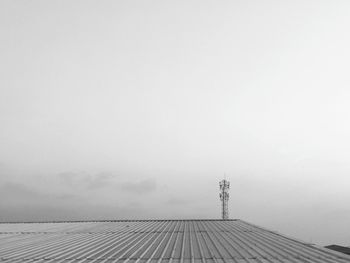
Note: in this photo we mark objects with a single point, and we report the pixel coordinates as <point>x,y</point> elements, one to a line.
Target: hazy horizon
<point>137,109</point>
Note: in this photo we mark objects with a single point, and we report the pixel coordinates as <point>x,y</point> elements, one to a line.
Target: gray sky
<point>136,109</point>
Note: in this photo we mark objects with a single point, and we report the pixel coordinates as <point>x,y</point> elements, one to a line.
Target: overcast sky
<point>136,109</point>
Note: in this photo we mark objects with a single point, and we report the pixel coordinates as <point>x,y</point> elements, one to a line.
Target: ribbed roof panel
<point>154,241</point>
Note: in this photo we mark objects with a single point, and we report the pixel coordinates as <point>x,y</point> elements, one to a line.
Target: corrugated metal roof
<point>154,241</point>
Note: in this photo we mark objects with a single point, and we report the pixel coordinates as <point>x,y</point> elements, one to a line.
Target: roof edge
<point>111,220</point>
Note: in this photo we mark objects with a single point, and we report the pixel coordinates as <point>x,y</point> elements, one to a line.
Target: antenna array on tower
<point>224,196</point>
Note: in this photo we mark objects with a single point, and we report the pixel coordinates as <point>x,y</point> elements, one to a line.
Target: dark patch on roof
<point>345,250</point>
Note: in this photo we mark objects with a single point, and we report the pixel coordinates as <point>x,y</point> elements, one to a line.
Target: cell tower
<point>224,196</point>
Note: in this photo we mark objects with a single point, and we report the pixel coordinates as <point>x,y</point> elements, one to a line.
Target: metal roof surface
<point>154,241</point>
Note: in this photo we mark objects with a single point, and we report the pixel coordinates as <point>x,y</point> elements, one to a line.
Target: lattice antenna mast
<point>224,196</point>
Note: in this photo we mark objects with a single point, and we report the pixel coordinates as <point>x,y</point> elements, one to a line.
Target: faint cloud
<point>16,193</point>
<point>11,192</point>
<point>86,180</point>
<point>100,180</point>
<point>72,178</point>
<point>176,201</point>
<point>76,211</point>
<point>67,196</point>
<point>20,202</point>
<point>141,187</point>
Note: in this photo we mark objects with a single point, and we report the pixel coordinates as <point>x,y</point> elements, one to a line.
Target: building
<point>154,241</point>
